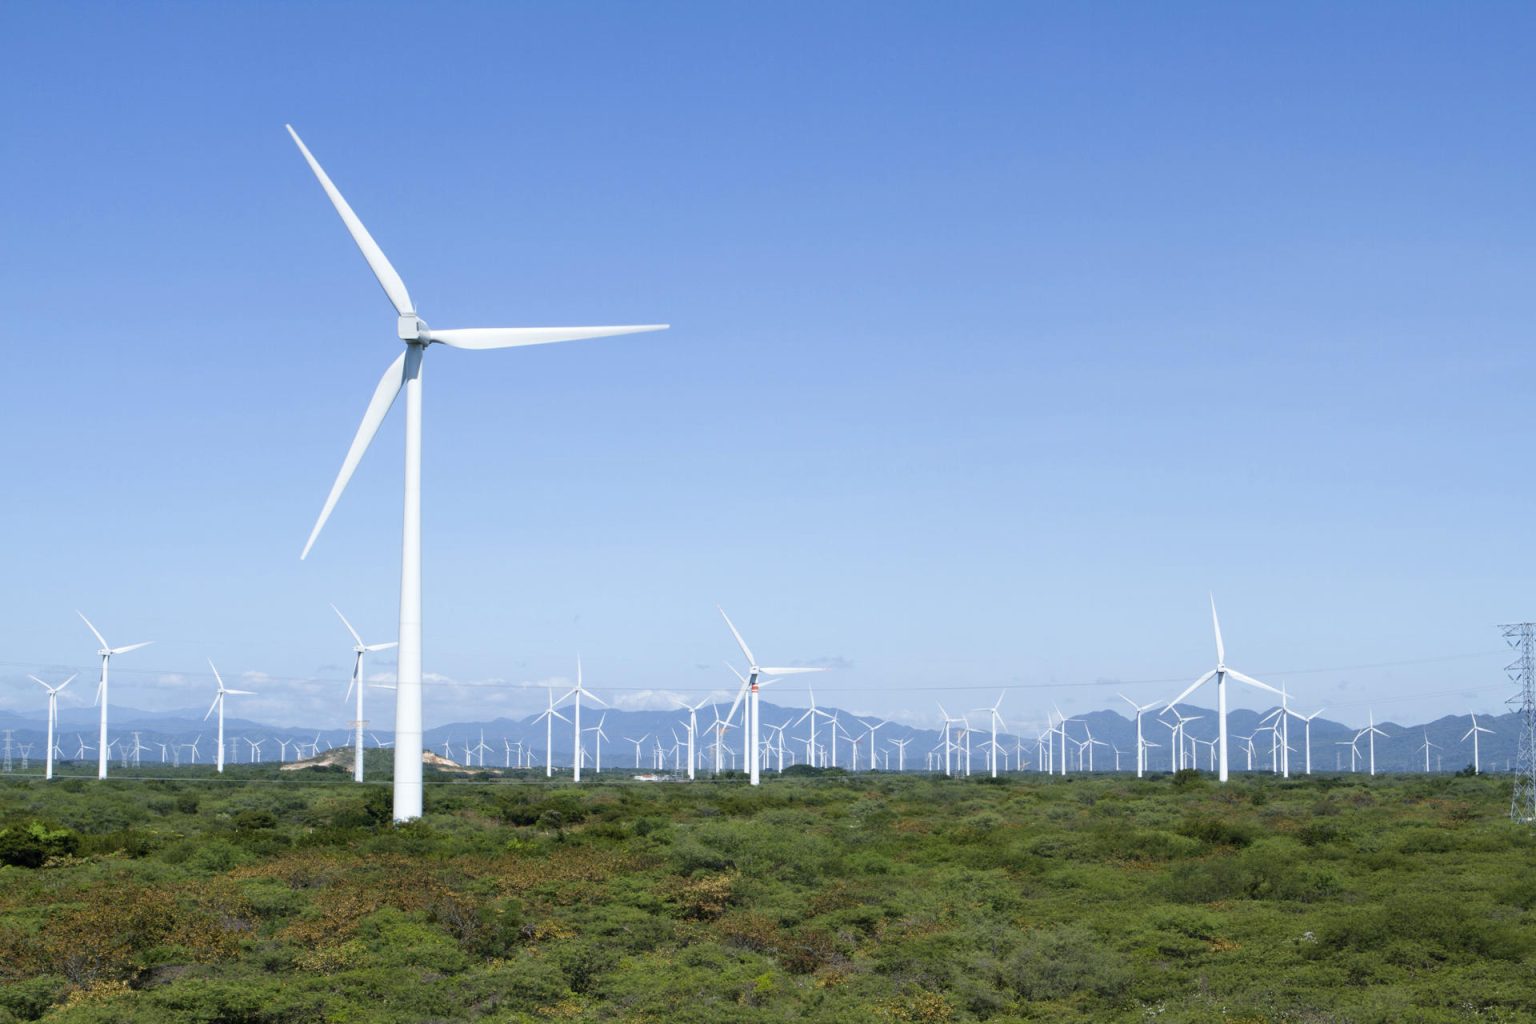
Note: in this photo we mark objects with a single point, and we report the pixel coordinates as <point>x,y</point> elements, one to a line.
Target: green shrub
<point>30,845</point>
<point>1062,960</point>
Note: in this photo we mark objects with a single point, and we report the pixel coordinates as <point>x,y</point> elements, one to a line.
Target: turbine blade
<point>248,693</point>
<point>131,647</point>
<point>388,279</point>
<point>789,671</point>
<point>370,648</point>
<point>217,678</point>
<point>745,650</point>
<point>480,338</point>
<point>1251,681</point>
<point>65,683</point>
<point>96,632</point>
<point>1192,688</point>
<point>211,707</point>
<point>344,622</point>
<point>737,702</point>
<point>1221,651</point>
<point>383,397</point>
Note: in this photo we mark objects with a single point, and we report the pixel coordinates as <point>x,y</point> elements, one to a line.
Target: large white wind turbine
<point>53,716</point>
<point>218,705</point>
<point>404,374</point>
<point>106,651</point>
<point>358,650</point>
<point>1220,673</point>
<point>754,671</point>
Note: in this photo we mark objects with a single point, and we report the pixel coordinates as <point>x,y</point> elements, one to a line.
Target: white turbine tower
<point>997,720</point>
<point>106,653</point>
<point>1477,768</point>
<point>754,671</point>
<point>549,715</point>
<point>218,705</point>
<point>53,716</point>
<point>1220,673</point>
<point>404,374</point>
<point>358,650</point>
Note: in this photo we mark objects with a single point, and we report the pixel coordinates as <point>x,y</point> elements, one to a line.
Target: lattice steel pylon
<point>1522,671</point>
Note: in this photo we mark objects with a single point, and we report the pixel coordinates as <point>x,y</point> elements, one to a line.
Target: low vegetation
<point>825,897</point>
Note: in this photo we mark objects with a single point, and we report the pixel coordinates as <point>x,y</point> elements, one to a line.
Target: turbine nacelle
<point>413,329</point>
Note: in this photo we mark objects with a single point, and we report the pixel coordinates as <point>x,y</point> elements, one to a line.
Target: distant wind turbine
<point>218,705</point>
<point>1220,673</point>
<point>754,672</point>
<point>1141,743</point>
<point>404,374</point>
<point>53,716</point>
<point>1472,733</point>
<point>358,650</point>
<point>549,715</point>
<point>106,653</point>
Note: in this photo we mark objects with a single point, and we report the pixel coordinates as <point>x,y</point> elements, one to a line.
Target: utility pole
<point>1522,671</point>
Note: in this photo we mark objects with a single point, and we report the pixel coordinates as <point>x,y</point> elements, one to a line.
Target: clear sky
<point>1002,334</point>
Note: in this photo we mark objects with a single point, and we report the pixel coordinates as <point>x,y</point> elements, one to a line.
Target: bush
<point>30,845</point>
<point>1060,961</point>
<point>1214,831</point>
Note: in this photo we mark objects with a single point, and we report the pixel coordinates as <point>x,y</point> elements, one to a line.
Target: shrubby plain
<point>820,897</point>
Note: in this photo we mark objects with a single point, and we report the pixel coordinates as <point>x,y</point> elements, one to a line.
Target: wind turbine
<point>997,719</point>
<point>948,743</point>
<point>1371,731</point>
<point>597,743</point>
<point>404,374</point>
<point>754,671</point>
<point>1141,748</point>
<point>637,743</point>
<point>218,705</point>
<point>481,748</point>
<point>1472,732</point>
<point>549,716</point>
<point>811,713</point>
<point>358,650</point>
<point>53,716</point>
<point>1220,673</point>
<point>1307,733</point>
<point>578,691</point>
<point>693,730</point>
<point>106,653</point>
<point>1427,746</point>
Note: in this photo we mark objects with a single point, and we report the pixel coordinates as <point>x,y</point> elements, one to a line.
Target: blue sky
<point>1003,334</point>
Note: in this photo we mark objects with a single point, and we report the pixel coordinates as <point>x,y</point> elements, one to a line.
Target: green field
<point>815,898</point>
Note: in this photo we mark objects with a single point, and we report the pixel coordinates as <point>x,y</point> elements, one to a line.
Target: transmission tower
<point>8,766</point>
<point>1522,671</point>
